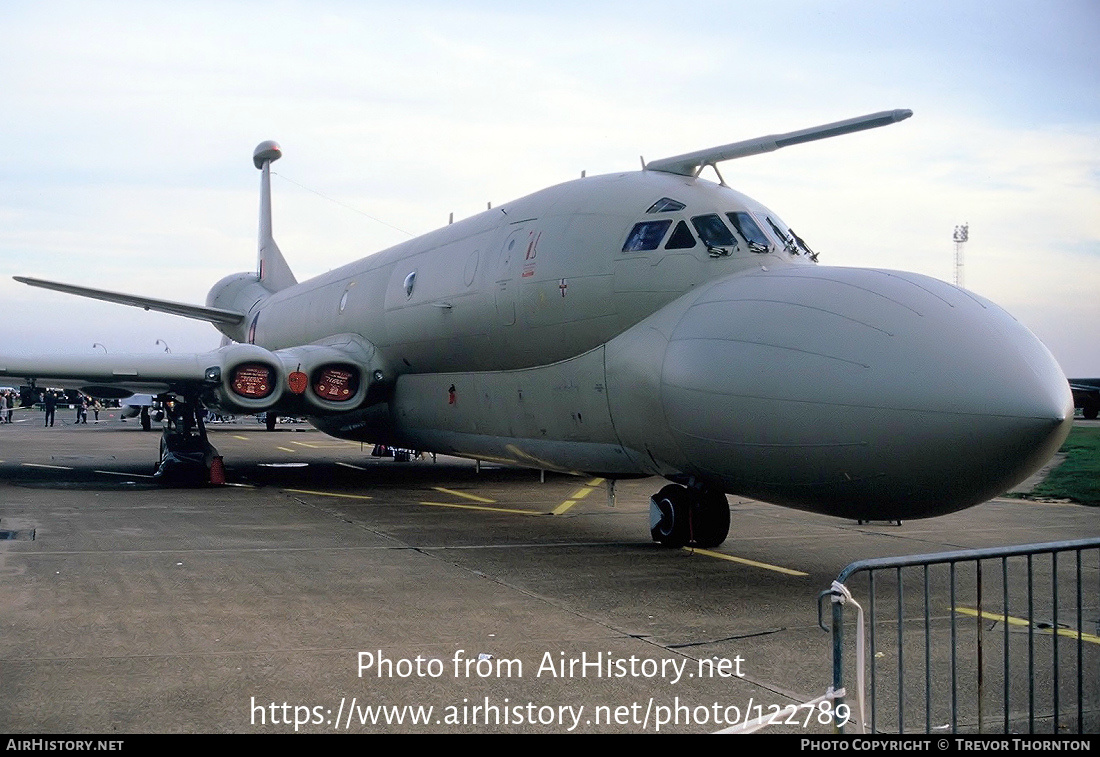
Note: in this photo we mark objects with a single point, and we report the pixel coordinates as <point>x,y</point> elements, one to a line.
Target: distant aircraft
<point>138,405</point>
<point>1086,395</point>
<point>629,325</point>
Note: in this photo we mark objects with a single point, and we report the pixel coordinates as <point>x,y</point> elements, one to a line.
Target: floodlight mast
<point>961,236</point>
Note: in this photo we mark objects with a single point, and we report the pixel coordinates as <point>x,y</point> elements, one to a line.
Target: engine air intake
<point>253,381</point>
<point>336,383</point>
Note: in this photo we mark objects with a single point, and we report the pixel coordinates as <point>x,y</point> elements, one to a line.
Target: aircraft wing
<point>112,376</point>
<point>1085,385</point>
<point>213,315</point>
<point>313,379</point>
<point>689,164</point>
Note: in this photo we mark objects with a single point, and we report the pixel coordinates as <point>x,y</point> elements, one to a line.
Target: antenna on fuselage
<point>691,163</point>
<point>273,270</point>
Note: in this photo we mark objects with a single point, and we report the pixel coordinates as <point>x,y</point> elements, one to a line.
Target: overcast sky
<point>127,132</point>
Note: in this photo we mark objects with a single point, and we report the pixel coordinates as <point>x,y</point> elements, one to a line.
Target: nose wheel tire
<point>712,520</point>
<point>669,510</point>
<point>679,516</point>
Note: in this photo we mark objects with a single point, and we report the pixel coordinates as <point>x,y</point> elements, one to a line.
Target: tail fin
<point>275,274</point>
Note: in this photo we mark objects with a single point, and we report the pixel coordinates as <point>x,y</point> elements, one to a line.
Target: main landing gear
<point>185,453</point>
<point>679,516</point>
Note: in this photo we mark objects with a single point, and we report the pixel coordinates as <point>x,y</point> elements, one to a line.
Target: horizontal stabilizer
<point>213,315</point>
<point>690,163</point>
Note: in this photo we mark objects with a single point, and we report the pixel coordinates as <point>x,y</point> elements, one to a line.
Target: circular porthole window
<point>471,268</point>
<point>344,297</point>
<point>410,281</point>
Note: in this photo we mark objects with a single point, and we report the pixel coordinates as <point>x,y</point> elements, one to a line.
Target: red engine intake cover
<point>336,384</point>
<point>253,380</point>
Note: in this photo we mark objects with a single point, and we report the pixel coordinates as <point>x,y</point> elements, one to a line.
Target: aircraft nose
<point>859,392</point>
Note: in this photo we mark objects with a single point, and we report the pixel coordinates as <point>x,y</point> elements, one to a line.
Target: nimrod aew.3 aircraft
<point>649,323</point>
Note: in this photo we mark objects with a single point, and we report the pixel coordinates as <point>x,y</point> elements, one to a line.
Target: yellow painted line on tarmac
<point>328,494</point>
<point>238,436</point>
<point>578,495</point>
<point>563,507</point>
<point>480,507</point>
<point>349,465</point>
<point>744,561</point>
<point>464,495</point>
<point>43,465</point>
<point>1023,622</point>
<point>286,449</point>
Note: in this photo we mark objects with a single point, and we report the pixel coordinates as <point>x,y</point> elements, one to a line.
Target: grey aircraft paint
<point>644,323</point>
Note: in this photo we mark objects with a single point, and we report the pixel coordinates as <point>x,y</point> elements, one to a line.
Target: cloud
<point>131,135</point>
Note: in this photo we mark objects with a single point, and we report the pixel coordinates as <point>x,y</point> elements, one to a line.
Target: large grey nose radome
<point>860,393</point>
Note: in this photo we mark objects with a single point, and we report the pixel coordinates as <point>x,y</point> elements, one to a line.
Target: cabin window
<point>681,239</point>
<point>750,230</point>
<point>713,232</point>
<point>646,236</point>
<point>666,205</point>
<point>410,282</point>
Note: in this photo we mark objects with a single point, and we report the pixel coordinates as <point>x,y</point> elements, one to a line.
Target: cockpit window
<point>784,235</point>
<point>802,243</point>
<point>748,228</point>
<point>681,239</point>
<point>665,205</point>
<point>646,235</point>
<point>713,232</point>
<point>792,243</point>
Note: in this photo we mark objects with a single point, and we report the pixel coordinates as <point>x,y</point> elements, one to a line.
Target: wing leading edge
<point>112,376</point>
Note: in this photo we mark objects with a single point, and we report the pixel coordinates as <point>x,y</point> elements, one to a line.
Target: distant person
<point>9,403</point>
<point>82,410</point>
<point>50,401</point>
<point>95,409</point>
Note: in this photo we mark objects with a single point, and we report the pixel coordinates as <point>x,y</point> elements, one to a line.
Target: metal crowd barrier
<point>975,641</point>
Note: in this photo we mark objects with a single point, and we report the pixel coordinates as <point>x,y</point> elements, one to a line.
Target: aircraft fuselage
<point>532,333</point>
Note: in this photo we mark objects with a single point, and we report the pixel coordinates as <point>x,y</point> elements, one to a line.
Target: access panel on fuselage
<point>435,307</point>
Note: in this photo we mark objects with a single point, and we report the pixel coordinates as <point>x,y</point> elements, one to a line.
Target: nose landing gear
<point>679,516</point>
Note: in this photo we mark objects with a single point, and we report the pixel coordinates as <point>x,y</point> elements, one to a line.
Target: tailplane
<point>275,274</point>
<point>215,315</point>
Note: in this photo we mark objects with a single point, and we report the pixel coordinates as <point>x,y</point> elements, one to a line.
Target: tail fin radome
<point>275,274</point>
